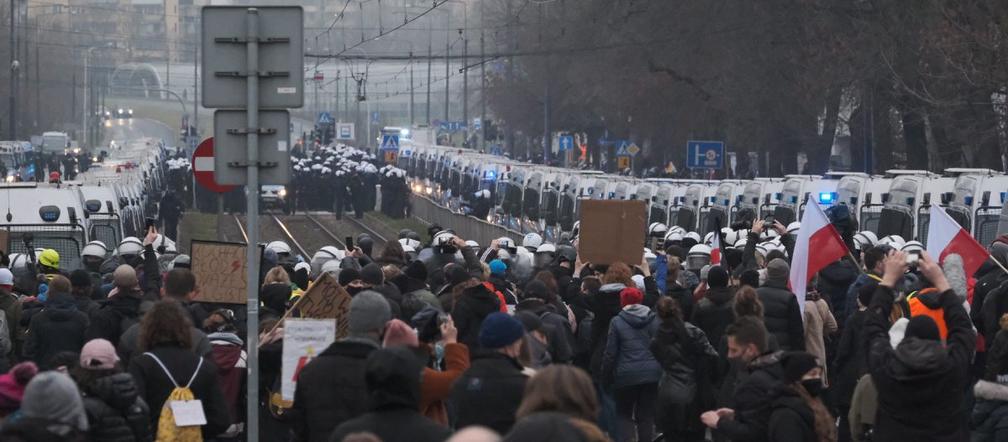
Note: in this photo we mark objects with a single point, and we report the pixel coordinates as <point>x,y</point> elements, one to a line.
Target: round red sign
<point>203,167</point>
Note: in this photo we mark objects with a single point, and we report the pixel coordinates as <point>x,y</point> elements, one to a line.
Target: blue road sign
<point>621,148</point>
<point>325,118</point>
<point>451,126</point>
<point>390,142</point>
<point>705,154</point>
<point>566,143</point>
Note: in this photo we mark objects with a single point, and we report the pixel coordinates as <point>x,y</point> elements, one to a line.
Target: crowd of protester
<point>447,340</point>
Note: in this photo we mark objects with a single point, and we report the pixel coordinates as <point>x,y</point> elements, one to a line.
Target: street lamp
<point>84,100</point>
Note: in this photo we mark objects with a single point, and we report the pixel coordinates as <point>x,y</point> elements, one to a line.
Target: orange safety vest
<point>917,308</point>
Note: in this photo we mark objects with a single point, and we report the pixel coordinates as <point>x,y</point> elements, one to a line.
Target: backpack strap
<point>166,372</point>
<point>193,378</point>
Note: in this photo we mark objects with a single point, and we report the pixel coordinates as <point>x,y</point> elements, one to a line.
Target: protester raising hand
<point>933,272</point>
<point>894,265</point>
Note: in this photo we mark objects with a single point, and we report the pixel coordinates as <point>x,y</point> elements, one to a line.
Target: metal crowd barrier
<point>466,227</point>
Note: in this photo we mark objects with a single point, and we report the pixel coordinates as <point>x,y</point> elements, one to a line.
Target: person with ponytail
<point>686,387</point>
<point>798,413</point>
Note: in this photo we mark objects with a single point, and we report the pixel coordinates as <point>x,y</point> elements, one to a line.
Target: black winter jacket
<point>331,390</point>
<point>58,327</point>
<point>605,305</point>
<point>115,316</point>
<point>489,392</point>
<point>475,304</point>
<point>557,328</point>
<point>834,280</point>
<point>792,420</point>
<point>782,315</point>
<point>154,385</point>
<point>754,399</point>
<point>684,353</point>
<point>851,360</point>
<point>115,410</point>
<point>714,313</point>
<point>916,380</point>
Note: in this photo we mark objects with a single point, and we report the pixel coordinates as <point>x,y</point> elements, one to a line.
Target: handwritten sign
<point>4,238</point>
<point>303,340</point>
<point>326,299</point>
<point>220,271</point>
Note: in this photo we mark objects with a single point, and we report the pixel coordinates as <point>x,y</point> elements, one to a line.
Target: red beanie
<point>12,385</point>
<point>630,296</point>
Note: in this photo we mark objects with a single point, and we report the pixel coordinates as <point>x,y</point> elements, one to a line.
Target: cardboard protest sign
<point>612,231</point>
<point>326,299</point>
<point>220,271</point>
<point>303,340</point>
<point>4,241</point>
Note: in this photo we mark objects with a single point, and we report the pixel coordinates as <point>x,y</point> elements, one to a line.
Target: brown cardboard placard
<point>220,271</point>
<point>326,299</point>
<point>4,238</point>
<point>612,231</point>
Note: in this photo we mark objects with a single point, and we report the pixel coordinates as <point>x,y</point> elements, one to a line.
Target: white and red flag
<point>715,249</point>
<point>818,245</point>
<point>946,236</point>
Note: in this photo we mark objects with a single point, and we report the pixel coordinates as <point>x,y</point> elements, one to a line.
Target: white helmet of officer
<point>545,255</point>
<point>673,237</point>
<point>865,240</point>
<point>95,249</point>
<point>409,242</point>
<point>912,247</point>
<point>279,247</point>
<point>130,246</point>
<point>532,241</point>
<point>698,256</point>
<point>708,238</point>
<point>792,229</point>
<point>657,230</point>
<point>894,241</point>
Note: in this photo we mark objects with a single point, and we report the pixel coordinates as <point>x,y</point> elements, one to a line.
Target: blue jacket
<point>627,360</point>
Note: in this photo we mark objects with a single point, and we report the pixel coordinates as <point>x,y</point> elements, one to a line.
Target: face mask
<point>354,290</point>
<point>813,386</point>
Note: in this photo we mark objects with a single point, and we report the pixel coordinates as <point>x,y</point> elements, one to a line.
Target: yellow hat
<point>49,258</point>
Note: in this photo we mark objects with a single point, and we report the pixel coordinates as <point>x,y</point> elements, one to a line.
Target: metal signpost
<point>260,68</point>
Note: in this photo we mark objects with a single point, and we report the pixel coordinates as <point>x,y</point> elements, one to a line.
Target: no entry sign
<point>203,167</point>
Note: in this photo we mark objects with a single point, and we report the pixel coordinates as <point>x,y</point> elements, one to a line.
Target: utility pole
<point>430,38</point>
<point>194,137</point>
<point>412,101</point>
<point>483,85</point>
<point>336,99</point>
<point>346,98</point>
<point>465,85</point>
<point>546,95</point>
<point>13,74</point>
<point>447,65</point>
<point>509,74</point>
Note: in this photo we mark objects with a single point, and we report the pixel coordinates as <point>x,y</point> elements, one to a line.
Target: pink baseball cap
<point>98,354</point>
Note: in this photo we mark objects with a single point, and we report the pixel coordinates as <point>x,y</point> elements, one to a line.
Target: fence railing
<point>466,227</point>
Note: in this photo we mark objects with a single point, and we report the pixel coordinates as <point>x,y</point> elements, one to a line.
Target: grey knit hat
<point>778,270</point>
<point>369,311</point>
<point>53,395</point>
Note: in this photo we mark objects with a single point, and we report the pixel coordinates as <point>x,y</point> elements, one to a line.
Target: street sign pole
<point>252,221</point>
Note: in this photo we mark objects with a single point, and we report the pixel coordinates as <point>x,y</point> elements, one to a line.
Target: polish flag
<point>715,249</point>
<point>946,236</point>
<point>818,245</point>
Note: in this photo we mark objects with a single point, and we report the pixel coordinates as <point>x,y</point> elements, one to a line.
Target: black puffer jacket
<point>792,420</point>
<point>605,305</point>
<point>834,280</point>
<point>331,390</point>
<point>714,312</point>
<point>851,358</point>
<point>114,317</point>
<point>489,392</point>
<point>475,304</point>
<point>916,380</point>
<point>782,315</point>
<point>115,410</point>
<point>753,399</point>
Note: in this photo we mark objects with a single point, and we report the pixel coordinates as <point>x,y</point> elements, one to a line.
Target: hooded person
<point>374,279</point>
<point>392,378</point>
<point>556,327</point>
<point>490,391</point>
<point>474,304</point>
<point>57,328</point>
<point>798,413</point>
<point>629,367</point>
<point>51,410</point>
<point>781,311</point>
<point>331,388</point>
<point>916,379</point>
